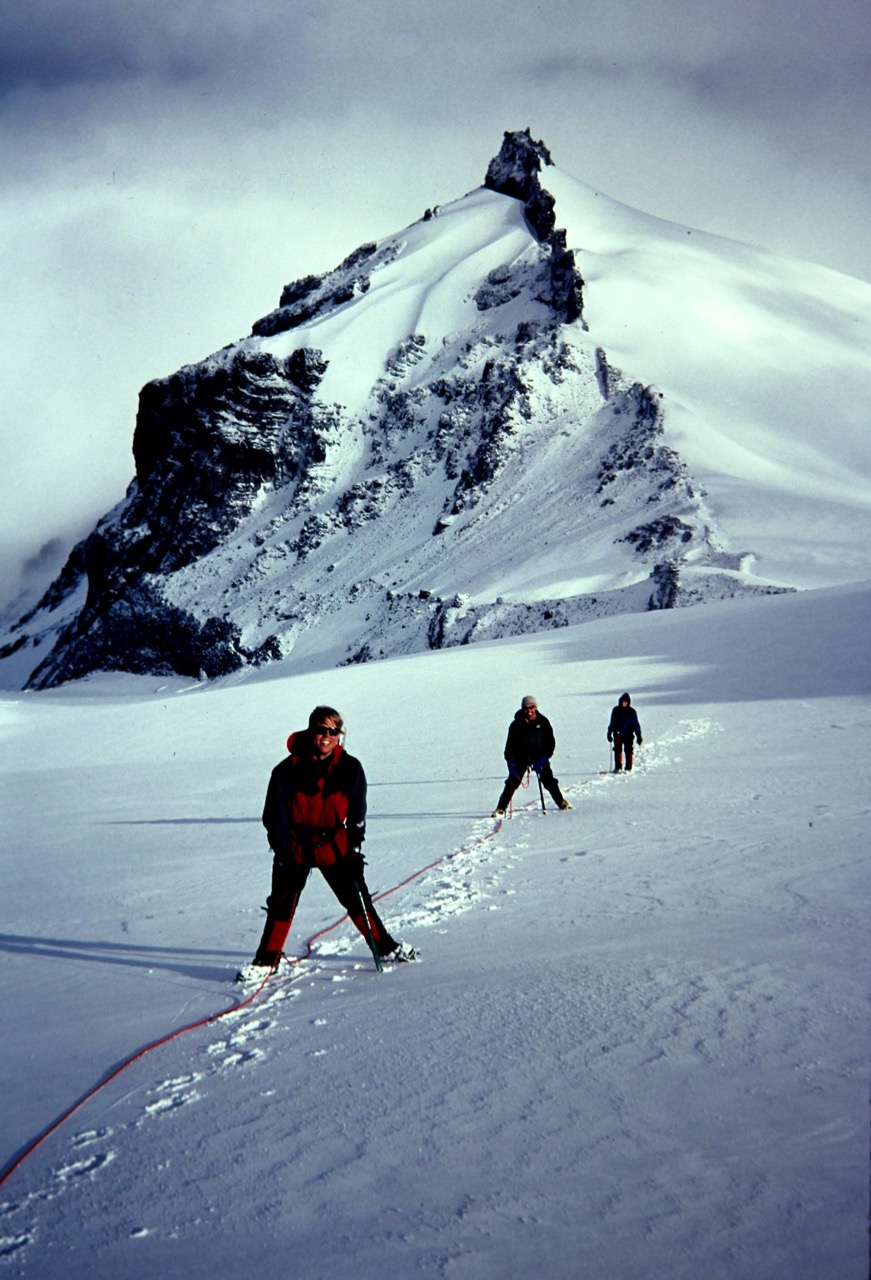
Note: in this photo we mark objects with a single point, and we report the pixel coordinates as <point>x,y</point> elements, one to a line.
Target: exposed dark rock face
<point>313,295</point>
<point>659,533</point>
<point>64,585</point>
<point>644,448</point>
<point>515,172</point>
<point>138,632</point>
<point>666,583</point>
<point>206,441</point>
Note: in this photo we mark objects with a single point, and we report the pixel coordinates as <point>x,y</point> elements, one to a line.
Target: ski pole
<point>540,791</point>
<point>375,956</point>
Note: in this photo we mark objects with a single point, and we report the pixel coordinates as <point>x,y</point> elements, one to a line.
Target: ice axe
<point>375,956</point>
<point>540,791</point>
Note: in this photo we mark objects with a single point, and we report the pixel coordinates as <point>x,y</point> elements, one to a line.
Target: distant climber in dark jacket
<point>624,730</point>
<point>529,745</point>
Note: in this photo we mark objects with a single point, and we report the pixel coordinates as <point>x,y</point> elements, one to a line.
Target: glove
<point>355,863</point>
<point>638,736</point>
<point>538,765</point>
<point>609,735</point>
<point>514,770</point>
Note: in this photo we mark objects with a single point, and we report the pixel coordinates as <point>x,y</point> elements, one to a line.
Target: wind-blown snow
<point>765,363</point>
<point>427,288</point>
<point>636,1043</point>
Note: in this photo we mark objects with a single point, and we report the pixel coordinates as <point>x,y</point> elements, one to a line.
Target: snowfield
<point>636,1044</point>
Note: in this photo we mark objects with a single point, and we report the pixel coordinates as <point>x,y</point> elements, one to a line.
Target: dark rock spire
<point>515,172</point>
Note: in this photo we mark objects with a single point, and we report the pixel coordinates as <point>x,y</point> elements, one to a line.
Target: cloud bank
<point>168,168</point>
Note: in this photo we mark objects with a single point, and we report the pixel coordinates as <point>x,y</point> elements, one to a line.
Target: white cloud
<point>168,168</point>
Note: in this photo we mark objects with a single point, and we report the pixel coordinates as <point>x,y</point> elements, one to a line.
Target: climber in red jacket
<point>315,816</point>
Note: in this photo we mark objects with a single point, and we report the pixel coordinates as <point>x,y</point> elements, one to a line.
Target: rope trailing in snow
<point>113,1074</point>
<point>56,1124</point>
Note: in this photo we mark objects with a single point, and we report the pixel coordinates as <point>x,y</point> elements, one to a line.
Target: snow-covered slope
<point>532,407</point>
<point>636,1044</point>
<point>765,366</point>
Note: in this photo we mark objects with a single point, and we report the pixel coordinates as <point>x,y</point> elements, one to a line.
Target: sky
<point>169,167</point>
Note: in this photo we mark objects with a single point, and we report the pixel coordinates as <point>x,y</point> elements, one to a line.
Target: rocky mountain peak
<point>343,483</point>
<point>515,172</point>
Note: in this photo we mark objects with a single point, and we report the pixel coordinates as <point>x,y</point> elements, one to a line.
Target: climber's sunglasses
<point>326,731</point>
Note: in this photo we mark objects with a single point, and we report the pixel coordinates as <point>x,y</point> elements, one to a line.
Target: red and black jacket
<point>315,811</point>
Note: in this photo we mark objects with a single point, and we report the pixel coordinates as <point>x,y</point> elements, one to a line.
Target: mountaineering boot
<point>254,972</point>
<point>564,804</point>
<point>498,813</point>
<point>400,954</point>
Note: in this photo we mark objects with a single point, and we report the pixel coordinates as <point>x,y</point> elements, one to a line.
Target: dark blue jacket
<point>529,741</point>
<point>624,721</point>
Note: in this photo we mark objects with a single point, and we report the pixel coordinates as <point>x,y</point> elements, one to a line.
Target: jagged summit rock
<point>421,447</point>
<point>515,172</point>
